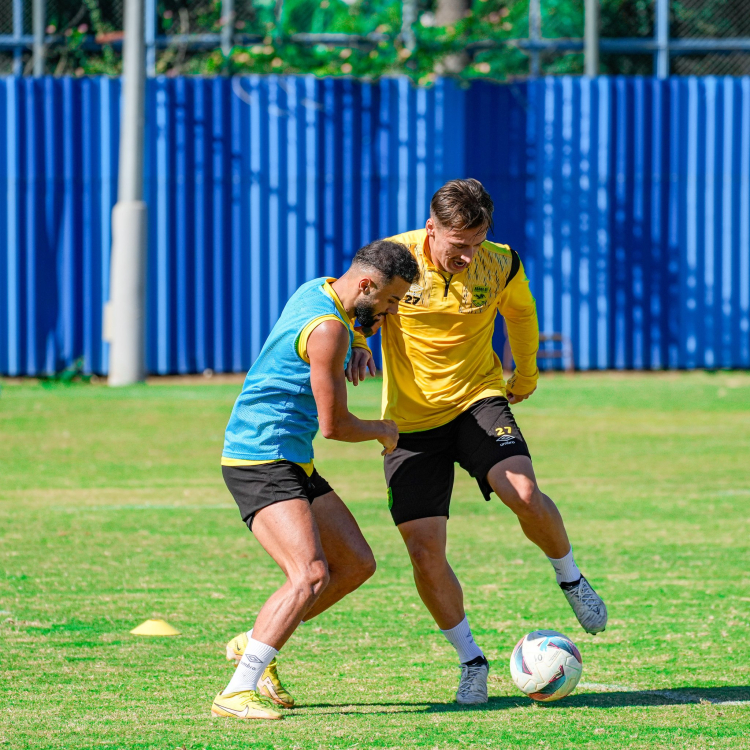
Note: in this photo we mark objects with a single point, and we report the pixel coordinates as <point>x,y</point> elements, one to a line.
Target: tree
<point>449,13</point>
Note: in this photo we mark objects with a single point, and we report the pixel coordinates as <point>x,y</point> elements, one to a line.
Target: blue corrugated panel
<point>58,162</point>
<point>639,228</point>
<point>256,184</point>
<point>628,199</point>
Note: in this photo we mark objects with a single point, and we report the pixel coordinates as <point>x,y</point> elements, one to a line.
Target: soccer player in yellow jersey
<point>443,387</point>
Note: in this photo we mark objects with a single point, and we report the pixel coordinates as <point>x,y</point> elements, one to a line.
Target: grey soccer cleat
<point>588,606</point>
<point>473,686</point>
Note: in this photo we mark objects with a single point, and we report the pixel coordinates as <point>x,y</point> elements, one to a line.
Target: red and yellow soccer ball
<point>546,665</point>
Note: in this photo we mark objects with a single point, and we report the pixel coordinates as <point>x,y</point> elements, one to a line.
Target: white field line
<point>144,506</point>
<point>673,695</point>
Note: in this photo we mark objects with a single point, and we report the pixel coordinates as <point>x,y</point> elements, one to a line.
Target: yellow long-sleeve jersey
<point>437,352</point>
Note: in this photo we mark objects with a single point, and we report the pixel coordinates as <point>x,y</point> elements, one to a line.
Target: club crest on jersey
<point>479,295</point>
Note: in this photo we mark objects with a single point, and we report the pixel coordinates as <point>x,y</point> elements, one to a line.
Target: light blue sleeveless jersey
<point>275,414</point>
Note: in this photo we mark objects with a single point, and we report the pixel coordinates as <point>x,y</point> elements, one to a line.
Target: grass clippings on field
<point>113,510</point>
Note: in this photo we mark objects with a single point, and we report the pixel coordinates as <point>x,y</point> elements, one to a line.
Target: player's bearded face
<point>452,250</point>
<point>367,315</point>
<point>378,300</point>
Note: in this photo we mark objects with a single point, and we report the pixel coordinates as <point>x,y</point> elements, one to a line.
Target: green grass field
<point>113,510</point>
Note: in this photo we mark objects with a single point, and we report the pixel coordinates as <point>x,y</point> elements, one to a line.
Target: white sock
<point>256,658</point>
<point>566,570</point>
<point>463,641</point>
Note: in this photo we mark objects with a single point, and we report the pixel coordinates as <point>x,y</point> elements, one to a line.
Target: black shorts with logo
<point>420,472</point>
<point>256,486</point>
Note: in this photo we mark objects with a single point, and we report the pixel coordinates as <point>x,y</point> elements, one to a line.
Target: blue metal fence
<point>639,219</point>
<point>628,199</point>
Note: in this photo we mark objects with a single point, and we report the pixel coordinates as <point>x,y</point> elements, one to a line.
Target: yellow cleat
<point>269,683</point>
<point>236,648</point>
<point>246,704</point>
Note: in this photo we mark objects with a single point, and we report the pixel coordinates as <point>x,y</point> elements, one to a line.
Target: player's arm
<point>326,349</point>
<point>518,307</point>
<point>361,360</point>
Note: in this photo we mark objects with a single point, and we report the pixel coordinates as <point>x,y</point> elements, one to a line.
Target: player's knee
<point>524,497</point>
<point>309,584</point>
<point>354,570</point>
<point>366,568</point>
<point>319,577</point>
<point>426,561</point>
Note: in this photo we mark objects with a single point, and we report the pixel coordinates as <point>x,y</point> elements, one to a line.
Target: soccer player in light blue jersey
<point>297,384</point>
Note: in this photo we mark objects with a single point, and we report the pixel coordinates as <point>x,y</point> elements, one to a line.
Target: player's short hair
<point>462,204</point>
<point>391,259</point>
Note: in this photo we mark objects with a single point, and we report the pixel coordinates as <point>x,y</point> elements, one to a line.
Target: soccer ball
<point>546,665</point>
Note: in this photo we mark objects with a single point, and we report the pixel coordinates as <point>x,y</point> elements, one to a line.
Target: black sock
<point>570,585</point>
<point>475,662</point>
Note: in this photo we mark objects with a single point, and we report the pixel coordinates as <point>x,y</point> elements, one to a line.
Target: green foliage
<point>627,18</point>
<point>489,20</point>
<point>274,22</point>
<point>362,57</point>
<point>74,373</point>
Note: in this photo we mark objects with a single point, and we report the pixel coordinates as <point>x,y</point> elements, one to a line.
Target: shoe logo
<point>239,714</point>
<point>270,687</point>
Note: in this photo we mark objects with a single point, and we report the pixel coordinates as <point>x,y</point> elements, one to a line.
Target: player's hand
<point>360,362</point>
<point>389,438</point>
<point>515,398</point>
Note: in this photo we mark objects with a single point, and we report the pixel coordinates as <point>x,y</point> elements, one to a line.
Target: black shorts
<point>419,473</point>
<point>255,487</point>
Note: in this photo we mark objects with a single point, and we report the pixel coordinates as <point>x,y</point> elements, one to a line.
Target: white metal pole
<point>661,56</point>
<point>409,11</point>
<point>126,311</point>
<point>17,37</point>
<point>39,10</point>
<point>150,37</point>
<point>591,39</point>
<point>227,30</point>
<point>535,34</point>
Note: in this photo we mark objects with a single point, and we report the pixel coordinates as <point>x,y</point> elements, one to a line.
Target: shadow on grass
<point>615,699</point>
<point>625,698</point>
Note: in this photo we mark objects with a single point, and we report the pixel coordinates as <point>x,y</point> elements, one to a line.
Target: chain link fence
<point>627,19</point>
<point>9,26</point>
<point>710,19</point>
<point>84,29</point>
<point>77,35</point>
<point>367,37</point>
<point>267,34</point>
